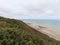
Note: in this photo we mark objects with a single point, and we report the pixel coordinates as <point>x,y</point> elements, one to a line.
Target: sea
<point>52,24</point>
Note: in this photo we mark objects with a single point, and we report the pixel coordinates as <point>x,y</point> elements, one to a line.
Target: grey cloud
<point>30,8</point>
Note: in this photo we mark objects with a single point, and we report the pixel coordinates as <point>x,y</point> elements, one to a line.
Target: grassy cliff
<point>16,32</point>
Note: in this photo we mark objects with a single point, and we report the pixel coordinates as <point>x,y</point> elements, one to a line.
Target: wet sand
<point>51,33</point>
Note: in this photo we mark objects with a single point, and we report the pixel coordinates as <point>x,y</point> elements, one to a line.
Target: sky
<point>30,9</point>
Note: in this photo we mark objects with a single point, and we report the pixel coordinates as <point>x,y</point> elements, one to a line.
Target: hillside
<point>16,32</point>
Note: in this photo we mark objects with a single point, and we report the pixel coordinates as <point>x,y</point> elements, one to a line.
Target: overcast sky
<point>30,9</point>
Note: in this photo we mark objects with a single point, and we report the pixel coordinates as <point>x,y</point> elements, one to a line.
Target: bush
<point>14,32</point>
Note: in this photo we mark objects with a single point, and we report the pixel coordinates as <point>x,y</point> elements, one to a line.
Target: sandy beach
<point>51,33</point>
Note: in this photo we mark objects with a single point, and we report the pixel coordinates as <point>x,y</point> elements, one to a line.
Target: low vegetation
<point>16,32</point>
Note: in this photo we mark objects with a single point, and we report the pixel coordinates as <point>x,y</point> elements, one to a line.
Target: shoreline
<point>51,33</point>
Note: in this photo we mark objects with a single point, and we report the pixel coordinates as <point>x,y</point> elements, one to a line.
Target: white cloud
<point>30,9</point>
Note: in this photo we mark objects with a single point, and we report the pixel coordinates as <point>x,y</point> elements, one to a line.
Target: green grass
<point>16,32</point>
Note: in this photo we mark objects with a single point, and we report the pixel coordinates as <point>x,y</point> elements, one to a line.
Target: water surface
<point>52,24</point>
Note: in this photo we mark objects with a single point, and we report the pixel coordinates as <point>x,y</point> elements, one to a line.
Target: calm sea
<point>52,24</point>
